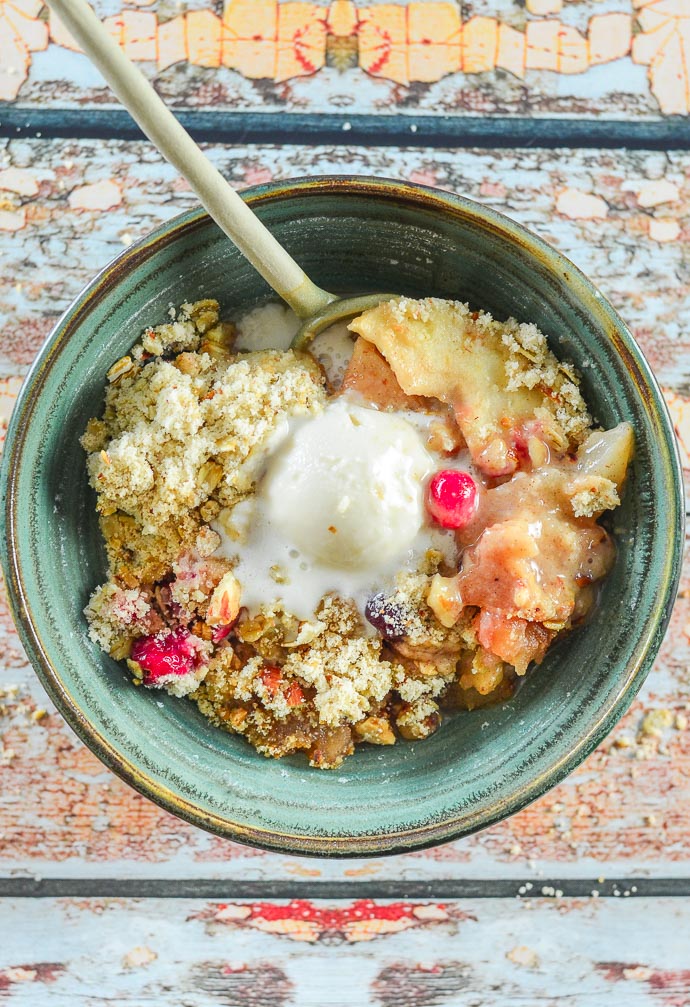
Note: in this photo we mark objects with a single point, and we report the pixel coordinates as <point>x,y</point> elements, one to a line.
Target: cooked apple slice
<point>602,462</point>
<point>515,641</point>
<point>501,380</point>
<point>607,453</point>
<point>370,376</point>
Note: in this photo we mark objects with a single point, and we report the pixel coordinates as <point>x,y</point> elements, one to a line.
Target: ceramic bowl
<point>350,234</point>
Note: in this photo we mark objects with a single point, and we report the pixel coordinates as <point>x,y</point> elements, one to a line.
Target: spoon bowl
<point>335,311</point>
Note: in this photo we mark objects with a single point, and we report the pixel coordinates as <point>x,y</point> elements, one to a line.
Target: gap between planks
<point>211,888</point>
<point>495,132</point>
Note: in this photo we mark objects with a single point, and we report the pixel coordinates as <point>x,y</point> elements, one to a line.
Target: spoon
<point>316,308</point>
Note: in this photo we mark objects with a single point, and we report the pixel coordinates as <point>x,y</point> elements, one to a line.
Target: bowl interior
<point>480,766</point>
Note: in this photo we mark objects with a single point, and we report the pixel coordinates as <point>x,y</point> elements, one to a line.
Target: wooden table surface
<point>569,117</point>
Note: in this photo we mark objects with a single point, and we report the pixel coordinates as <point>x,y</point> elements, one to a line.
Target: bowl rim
<point>456,825</point>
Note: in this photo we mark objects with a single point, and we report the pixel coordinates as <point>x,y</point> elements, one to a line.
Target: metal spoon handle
<point>156,120</point>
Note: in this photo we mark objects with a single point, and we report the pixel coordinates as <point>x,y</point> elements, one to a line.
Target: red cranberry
<point>451,498</point>
<point>164,654</point>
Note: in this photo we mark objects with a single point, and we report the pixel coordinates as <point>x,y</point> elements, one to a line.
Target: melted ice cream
<point>339,504</point>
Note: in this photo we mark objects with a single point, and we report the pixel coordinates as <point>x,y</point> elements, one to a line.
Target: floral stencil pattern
<point>407,44</point>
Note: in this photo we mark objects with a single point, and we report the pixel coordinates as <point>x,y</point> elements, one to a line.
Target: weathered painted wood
<point>412,954</point>
<point>614,58</point>
<point>623,217</point>
<point>66,207</point>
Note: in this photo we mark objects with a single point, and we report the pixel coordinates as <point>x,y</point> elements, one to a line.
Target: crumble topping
<point>113,612</point>
<point>173,437</point>
<point>343,667</point>
<point>590,495</point>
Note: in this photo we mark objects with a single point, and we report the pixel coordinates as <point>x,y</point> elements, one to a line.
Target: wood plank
<point>412,129</point>
<point>426,954</point>
<point>623,217</point>
<point>447,888</point>
<point>591,58</point>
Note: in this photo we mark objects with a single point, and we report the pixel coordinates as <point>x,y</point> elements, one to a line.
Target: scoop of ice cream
<point>346,487</point>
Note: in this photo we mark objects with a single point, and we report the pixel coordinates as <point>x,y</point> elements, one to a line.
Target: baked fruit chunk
<point>534,551</point>
<point>503,383</point>
<point>370,376</point>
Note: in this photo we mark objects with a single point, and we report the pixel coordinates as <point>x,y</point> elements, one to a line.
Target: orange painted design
<point>512,50</point>
<point>204,34</point>
<point>434,43</point>
<point>20,35</point>
<point>422,41</point>
<point>59,34</point>
<point>29,8</point>
<point>251,19</point>
<point>342,18</point>
<point>410,43</point>
<point>542,45</point>
<point>301,40</point>
<point>480,45</point>
<point>20,17</point>
<point>139,31</point>
<point>669,75</point>
<point>254,59</point>
<point>664,46</point>
<point>383,42</point>
<point>249,38</point>
<point>171,43</point>
<point>278,41</point>
<point>609,37</point>
<point>116,26</point>
<point>572,51</point>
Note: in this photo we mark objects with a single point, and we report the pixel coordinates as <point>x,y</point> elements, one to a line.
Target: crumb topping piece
<point>170,436</point>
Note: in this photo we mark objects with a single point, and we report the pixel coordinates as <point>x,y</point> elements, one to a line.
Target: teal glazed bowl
<point>351,235</point>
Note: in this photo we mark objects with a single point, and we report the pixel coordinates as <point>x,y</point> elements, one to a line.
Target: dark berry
<point>387,616</point>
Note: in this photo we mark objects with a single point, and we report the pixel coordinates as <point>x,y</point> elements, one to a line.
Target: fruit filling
<point>339,546</point>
